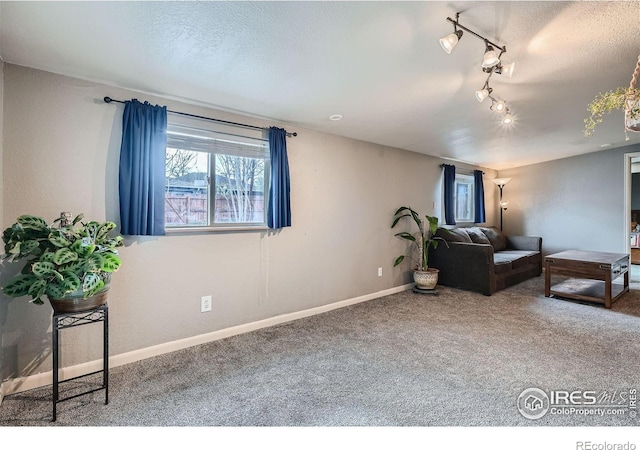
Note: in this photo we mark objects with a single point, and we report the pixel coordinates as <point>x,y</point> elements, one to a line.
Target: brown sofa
<point>484,259</point>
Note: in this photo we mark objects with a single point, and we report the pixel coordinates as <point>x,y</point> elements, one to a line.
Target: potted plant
<point>424,276</point>
<point>69,261</point>
<point>624,99</point>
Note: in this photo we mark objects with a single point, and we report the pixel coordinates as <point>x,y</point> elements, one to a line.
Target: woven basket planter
<point>426,279</point>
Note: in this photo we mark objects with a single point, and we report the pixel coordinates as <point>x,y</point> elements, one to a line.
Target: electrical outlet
<point>379,271</point>
<point>205,303</point>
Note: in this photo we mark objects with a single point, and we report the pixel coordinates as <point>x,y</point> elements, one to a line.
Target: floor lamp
<point>500,182</point>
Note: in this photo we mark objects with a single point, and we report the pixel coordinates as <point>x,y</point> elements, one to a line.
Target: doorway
<point>632,213</point>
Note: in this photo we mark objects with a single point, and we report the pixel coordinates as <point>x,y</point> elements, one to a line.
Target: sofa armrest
<point>465,266</point>
<point>532,243</point>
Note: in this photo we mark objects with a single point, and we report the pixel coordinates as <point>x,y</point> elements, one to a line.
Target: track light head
<point>498,106</point>
<point>483,93</point>
<point>506,70</point>
<point>507,119</point>
<point>449,42</point>
<point>490,58</point>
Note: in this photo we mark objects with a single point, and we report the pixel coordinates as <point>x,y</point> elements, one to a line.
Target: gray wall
<point>61,154</point>
<point>573,203</point>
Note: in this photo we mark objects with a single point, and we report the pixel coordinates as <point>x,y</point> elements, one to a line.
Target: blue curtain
<point>478,194</point>
<point>279,210</point>
<point>142,168</point>
<point>449,194</point>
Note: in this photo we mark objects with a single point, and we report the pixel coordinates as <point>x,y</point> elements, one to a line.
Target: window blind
<point>187,138</point>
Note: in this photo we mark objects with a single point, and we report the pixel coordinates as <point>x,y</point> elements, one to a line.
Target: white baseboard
<point>15,385</point>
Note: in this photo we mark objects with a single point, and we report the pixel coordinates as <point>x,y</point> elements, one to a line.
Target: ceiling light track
<point>491,63</point>
<point>456,25</point>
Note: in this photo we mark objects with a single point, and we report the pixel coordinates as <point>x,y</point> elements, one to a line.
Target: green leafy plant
<point>423,240</point>
<point>624,99</point>
<point>61,258</point>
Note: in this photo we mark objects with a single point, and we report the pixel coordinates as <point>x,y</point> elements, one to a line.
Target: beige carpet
<point>456,359</point>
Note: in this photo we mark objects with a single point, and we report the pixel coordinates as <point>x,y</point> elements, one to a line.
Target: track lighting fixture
<point>491,63</point>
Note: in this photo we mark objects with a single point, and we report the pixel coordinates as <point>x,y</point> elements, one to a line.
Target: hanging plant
<point>624,99</point>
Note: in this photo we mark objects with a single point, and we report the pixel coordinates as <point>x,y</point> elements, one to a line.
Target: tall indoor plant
<point>68,261</point>
<point>424,276</point>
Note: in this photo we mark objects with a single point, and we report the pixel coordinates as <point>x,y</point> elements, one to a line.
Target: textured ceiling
<point>378,64</point>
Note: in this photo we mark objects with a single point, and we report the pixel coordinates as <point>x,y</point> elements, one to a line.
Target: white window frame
<point>218,140</point>
<point>462,179</point>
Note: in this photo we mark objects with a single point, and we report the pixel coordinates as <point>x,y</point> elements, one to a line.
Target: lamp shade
<point>507,70</point>
<point>501,181</point>
<point>498,106</point>
<point>449,42</point>
<point>490,58</point>
<point>482,94</point>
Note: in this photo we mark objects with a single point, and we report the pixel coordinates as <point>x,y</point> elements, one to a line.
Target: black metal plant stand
<point>62,321</point>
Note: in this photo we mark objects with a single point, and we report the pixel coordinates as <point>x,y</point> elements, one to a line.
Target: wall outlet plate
<point>205,303</point>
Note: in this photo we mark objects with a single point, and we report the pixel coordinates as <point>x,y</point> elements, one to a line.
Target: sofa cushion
<point>454,235</point>
<point>518,258</point>
<point>501,266</point>
<point>496,237</point>
<point>477,236</point>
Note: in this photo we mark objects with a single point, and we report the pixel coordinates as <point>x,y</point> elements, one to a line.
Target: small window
<point>464,186</point>
<point>215,179</point>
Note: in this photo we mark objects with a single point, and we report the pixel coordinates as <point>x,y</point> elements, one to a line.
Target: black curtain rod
<point>226,122</point>
<point>466,170</point>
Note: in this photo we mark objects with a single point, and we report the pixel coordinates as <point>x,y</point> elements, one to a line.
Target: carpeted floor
<point>456,359</point>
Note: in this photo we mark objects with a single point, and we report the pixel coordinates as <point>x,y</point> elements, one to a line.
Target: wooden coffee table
<point>592,275</point>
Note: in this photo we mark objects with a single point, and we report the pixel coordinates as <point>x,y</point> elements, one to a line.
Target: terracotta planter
<point>426,279</point>
<point>77,303</point>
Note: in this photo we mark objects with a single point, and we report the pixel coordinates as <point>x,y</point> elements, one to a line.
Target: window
<point>215,179</point>
<point>464,186</point>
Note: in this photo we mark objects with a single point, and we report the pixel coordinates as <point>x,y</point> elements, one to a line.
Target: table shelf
<point>586,290</point>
